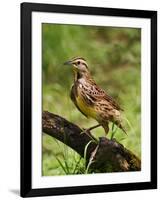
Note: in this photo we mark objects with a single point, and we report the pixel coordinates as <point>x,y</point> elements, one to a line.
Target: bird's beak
<point>68,63</point>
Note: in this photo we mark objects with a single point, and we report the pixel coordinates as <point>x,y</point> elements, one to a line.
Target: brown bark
<point>104,155</point>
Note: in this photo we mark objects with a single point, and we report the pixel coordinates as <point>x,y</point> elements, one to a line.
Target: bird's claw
<point>86,131</point>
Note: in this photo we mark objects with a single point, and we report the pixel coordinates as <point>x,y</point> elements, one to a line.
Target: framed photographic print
<point>88,99</point>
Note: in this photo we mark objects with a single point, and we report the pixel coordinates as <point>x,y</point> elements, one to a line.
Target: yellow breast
<point>85,108</point>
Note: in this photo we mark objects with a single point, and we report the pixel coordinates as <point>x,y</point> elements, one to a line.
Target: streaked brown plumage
<point>90,99</point>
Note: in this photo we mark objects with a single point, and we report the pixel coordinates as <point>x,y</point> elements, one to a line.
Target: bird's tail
<point>118,123</point>
<point>123,129</point>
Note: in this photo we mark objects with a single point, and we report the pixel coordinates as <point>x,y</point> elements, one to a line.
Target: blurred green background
<point>113,55</point>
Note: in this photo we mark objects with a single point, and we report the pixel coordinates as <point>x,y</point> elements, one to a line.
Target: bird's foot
<point>91,128</point>
<point>88,133</point>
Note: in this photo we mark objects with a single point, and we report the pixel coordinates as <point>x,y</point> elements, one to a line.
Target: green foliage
<point>114,57</point>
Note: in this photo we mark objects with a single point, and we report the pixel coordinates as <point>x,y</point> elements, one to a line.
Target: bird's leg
<point>91,128</point>
<point>87,131</point>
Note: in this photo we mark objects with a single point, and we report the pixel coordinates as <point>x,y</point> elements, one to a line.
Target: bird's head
<point>79,65</point>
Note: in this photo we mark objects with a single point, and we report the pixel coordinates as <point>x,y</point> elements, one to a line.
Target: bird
<point>90,99</point>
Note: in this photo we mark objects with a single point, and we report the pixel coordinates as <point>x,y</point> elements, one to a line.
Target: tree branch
<point>104,155</point>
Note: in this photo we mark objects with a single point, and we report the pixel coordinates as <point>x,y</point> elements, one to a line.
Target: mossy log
<point>104,155</point>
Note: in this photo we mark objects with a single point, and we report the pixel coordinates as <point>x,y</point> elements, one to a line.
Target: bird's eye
<point>78,63</point>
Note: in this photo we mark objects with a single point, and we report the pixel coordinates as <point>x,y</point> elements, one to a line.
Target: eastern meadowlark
<point>90,99</point>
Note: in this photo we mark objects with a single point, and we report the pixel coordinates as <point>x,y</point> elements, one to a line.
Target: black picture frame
<point>26,104</point>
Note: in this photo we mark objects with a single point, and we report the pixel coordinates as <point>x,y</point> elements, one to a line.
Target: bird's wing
<point>73,98</point>
<point>101,94</point>
<point>112,102</point>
